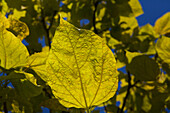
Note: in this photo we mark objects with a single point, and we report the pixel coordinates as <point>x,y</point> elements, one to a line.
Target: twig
<point>103,30</point>
<point>128,92</point>
<point>94,16</point>
<point>105,108</point>
<point>45,27</point>
<point>4,103</point>
<point>5,107</point>
<point>52,20</point>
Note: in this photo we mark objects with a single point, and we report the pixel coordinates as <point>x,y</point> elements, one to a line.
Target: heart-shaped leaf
<point>81,69</point>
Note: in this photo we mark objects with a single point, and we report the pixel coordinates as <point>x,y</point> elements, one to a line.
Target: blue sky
<point>153,9</point>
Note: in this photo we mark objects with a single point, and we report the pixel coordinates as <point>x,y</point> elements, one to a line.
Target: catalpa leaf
<point>81,69</point>
<point>12,52</point>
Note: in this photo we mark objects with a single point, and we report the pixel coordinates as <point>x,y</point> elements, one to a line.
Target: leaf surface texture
<point>81,69</point>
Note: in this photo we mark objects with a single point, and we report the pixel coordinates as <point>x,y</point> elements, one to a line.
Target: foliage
<point>76,68</point>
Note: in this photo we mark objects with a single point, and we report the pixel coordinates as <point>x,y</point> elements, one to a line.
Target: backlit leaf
<point>37,62</point>
<point>147,32</point>
<point>18,28</point>
<point>4,7</point>
<point>128,23</point>
<point>18,14</point>
<point>12,52</point>
<point>81,68</point>
<point>136,7</point>
<point>163,48</point>
<point>131,55</point>
<point>162,25</point>
<point>15,107</point>
<point>4,22</point>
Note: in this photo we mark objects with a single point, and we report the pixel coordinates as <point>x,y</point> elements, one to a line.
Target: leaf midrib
<point>84,96</point>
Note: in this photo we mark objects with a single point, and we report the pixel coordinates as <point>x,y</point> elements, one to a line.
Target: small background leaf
<point>144,68</point>
<point>163,48</point>
<point>162,25</point>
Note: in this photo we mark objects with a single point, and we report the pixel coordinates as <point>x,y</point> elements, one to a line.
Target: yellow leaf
<point>12,52</point>
<point>162,25</point>
<point>4,7</point>
<point>18,14</point>
<point>81,69</point>
<point>147,31</point>
<point>4,23</point>
<point>131,55</point>
<point>136,7</point>
<point>163,48</point>
<point>37,62</point>
<point>18,28</point>
<point>16,108</point>
<point>129,23</point>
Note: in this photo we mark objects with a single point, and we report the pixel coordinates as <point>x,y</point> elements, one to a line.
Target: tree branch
<point>4,103</point>
<point>94,16</point>
<point>128,92</point>
<point>47,30</point>
<point>5,107</point>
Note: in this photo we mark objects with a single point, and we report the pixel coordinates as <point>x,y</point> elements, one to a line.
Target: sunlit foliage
<point>76,53</point>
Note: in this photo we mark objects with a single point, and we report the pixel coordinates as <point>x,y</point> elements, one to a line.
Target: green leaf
<point>27,86</point>
<point>10,76</point>
<point>158,101</point>
<point>162,25</point>
<point>36,102</point>
<point>163,48</point>
<point>12,52</point>
<point>166,67</point>
<point>81,69</point>
<point>53,104</point>
<point>144,68</point>
<point>146,104</point>
<point>83,9</point>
